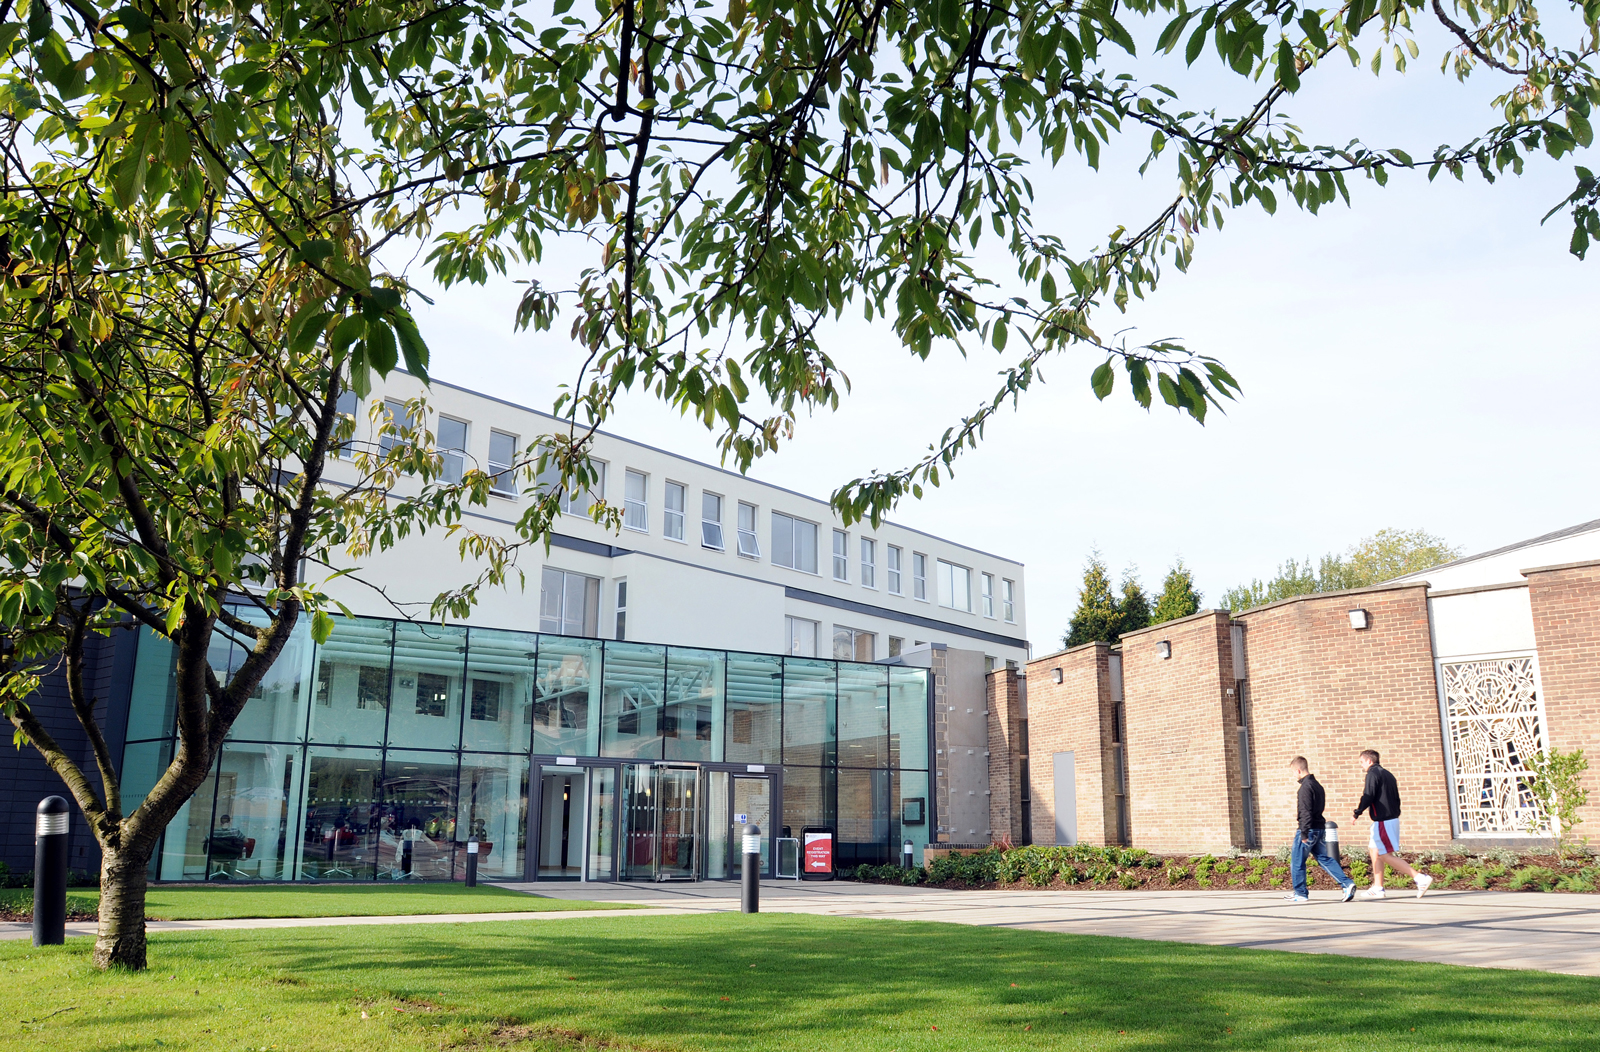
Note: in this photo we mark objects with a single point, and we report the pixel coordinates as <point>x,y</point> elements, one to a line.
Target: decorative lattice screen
<point>1494,720</point>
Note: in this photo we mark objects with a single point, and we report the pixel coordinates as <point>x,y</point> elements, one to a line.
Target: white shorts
<point>1386,836</point>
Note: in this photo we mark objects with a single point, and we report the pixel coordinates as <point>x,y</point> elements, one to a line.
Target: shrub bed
<point>1086,866</point>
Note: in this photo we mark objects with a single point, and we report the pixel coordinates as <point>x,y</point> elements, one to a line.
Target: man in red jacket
<point>1382,795</point>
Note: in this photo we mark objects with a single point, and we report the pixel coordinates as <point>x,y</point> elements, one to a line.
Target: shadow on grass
<point>779,981</point>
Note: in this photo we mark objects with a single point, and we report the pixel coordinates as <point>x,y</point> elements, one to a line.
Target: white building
<point>706,557</point>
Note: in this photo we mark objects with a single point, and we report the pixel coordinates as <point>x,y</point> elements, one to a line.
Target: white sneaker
<point>1370,893</point>
<point>1295,900</point>
<point>1424,882</point>
<point>1349,893</point>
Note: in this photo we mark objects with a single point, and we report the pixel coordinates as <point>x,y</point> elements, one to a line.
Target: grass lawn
<point>216,902</point>
<point>767,982</point>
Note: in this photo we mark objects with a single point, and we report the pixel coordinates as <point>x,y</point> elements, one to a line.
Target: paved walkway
<point>1557,933</point>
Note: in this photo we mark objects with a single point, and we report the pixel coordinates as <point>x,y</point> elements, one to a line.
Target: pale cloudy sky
<point>1423,359</point>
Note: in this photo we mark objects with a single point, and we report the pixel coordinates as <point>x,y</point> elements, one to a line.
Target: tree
<point>1178,597</point>
<point>1134,609</point>
<point>1097,616</point>
<point>196,196</point>
<point>1555,779</point>
<point>1384,556</point>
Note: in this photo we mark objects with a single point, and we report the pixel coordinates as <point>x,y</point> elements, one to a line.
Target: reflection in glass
<point>492,803</point>
<point>910,785</point>
<point>258,792</point>
<point>634,679</point>
<point>500,672</point>
<point>350,695</point>
<point>602,822</point>
<point>809,727</point>
<point>809,799</point>
<point>908,717</point>
<point>753,722</point>
<point>566,706</point>
<point>862,835</point>
<point>339,824</point>
<point>639,821</point>
<point>425,698</point>
<point>721,836</point>
<point>691,722</point>
<point>863,715</point>
<point>153,704</point>
<point>418,829</point>
<point>276,712</point>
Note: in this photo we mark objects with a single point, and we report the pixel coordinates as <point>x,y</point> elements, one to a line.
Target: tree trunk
<point>120,942</point>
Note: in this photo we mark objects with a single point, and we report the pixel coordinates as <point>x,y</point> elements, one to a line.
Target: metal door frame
<point>530,856</point>
<point>774,775</point>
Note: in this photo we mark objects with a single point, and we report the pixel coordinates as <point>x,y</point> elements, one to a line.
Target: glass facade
<point>378,754</point>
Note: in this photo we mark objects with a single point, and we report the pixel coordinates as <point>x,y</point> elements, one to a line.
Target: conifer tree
<point>1097,617</point>
<point>1134,609</point>
<point>1178,597</point>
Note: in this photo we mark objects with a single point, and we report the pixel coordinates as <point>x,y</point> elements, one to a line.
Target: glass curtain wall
<point>378,754</point>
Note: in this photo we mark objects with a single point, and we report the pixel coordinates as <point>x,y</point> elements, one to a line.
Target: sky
<point>1423,359</point>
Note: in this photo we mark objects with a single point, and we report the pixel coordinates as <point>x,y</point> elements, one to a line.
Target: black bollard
<point>472,862</point>
<point>905,856</point>
<point>750,891</point>
<point>50,872</point>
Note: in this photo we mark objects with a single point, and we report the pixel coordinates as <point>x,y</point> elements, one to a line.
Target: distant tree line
<point>1105,616</point>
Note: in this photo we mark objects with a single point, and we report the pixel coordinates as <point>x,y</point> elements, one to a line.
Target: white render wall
<point>679,591</point>
<point>1478,624</point>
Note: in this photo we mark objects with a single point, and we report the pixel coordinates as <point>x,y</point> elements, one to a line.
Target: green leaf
<point>382,354</point>
<point>38,20</point>
<point>412,345</point>
<point>1102,380</point>
<point>1311,26</point>
<point>321,627</point>
<point>306,327</point>
<point>1288,75</point>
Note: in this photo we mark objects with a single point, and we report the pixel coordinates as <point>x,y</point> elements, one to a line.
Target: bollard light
<point>905,855</point>
<point>50,872</point>
<point>750,873</point>
<point>472,862</point>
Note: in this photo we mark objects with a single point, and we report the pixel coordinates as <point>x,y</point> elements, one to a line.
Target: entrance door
<point>752,805</point>
<point>662,818</point>
<point>563,808</point>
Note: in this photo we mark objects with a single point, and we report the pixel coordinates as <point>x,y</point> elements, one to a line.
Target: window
<point>372,688</point>
<point>622,609</point>
<point>486,700</point>
<point>869,563</point>
<point>794,543</point>
<point>919,576</point>
<point>569,603</point>
<point>893,559</point>
<point>325,684</point>
<point>452,443</point>
<point>574,503</point>
<point>896,646</point>
<point>852,644</point>
<point>749,546</point>
<point>711,521</point>
<point>397,421</point>
<point>841,555</point>
<point>635,505</point>
<point>347,407</point>
<point>672,526</point>
<point>802,637</point>
<point>1008,605</point>
<point>502,454</point>
<point>955,586</point>
<point>988,663</point>
<point>433,694</point>
<point>988,595</point>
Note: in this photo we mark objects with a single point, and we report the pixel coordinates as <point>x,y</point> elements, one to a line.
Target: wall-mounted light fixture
<point>1055,674</point>
<point>1358,619</point>
<point>1164,649</point>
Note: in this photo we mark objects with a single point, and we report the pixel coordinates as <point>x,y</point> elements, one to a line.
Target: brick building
<point>1178,738</point>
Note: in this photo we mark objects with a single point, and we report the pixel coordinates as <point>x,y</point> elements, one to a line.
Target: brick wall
<point>1566,625</point>
<point>1072,716</point>
<point>1321,689</point>
<point>1181,736</point>
<point>1005,714</point>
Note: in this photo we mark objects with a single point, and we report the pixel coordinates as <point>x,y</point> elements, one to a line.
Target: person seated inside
<point>227,848</point>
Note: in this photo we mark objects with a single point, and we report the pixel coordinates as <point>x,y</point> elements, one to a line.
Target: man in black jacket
<point>1311,837</point>
<point>1382,795</point>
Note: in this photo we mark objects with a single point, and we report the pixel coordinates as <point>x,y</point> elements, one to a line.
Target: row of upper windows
<point>793,539</point>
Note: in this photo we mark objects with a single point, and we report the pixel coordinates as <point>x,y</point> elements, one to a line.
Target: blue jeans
<point>1316,847</point>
